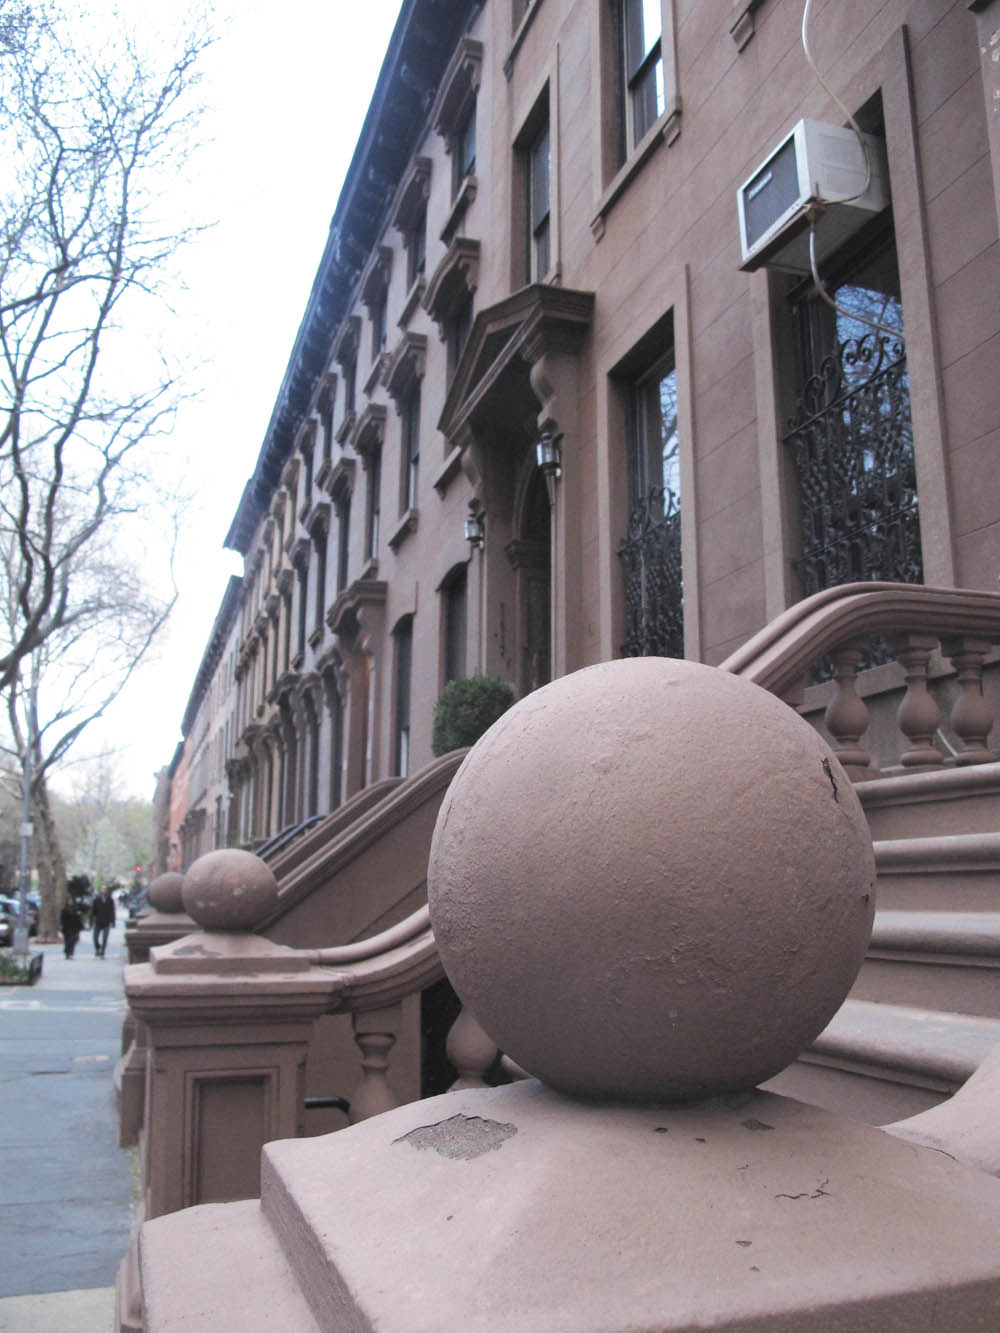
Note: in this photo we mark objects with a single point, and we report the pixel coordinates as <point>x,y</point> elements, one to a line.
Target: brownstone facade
<point>537,414</point>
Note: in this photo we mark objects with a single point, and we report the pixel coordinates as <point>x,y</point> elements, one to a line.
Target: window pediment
<point>341,480</point>
<point>506,339</point>
<point>455,278</point>
<point>406,365</point>
<point>290,474</point>
<point>414,191</point>
<point>370,430</point>
<point>375,279</point>
<point>319,519</point>
<point>347,340</point>
<point>459,83</point>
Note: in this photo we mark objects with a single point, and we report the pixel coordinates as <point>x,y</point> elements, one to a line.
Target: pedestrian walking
<point>103,913</point>
<point>71,924</point>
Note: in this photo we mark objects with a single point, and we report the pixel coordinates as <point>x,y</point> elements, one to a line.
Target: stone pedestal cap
<point>165,892</point>
<point>229,890</point>
<point>651,880</point>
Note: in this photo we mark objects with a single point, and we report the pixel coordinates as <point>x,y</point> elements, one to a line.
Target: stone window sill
<point>448,472</point>
<point>466,194</point>
<point>406,525</point>
<point>664,130</point>
<point>412,301</point>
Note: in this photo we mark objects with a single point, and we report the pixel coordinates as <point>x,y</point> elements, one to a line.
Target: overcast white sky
<point>287,88</point>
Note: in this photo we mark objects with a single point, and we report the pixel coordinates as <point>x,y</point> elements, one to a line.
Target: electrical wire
<point>814,215</point>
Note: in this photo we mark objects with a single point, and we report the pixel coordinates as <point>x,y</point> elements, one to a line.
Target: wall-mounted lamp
<point>475,529</point>
<point>549,458</point>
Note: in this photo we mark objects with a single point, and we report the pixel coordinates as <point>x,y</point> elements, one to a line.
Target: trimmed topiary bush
<point>466,709</point>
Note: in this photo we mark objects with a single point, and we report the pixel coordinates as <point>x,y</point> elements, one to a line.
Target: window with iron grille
<point>651,550</point>
<point>850,437</point>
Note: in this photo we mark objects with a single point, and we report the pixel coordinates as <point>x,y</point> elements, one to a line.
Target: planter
<point>20,969</point>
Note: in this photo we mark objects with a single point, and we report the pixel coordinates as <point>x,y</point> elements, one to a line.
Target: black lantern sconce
<point>475,528</point>
<point>549,457</point>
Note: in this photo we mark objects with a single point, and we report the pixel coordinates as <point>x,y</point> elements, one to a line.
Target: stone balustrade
<point>924,629</point>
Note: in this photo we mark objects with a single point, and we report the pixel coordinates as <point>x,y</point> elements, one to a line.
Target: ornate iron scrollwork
<point>851,440</point>
<point>651,559</point>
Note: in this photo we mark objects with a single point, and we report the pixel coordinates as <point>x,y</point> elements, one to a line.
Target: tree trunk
<point>49,860</point>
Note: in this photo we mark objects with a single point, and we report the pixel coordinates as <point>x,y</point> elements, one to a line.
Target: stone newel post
<point>164,922</point>
<point>228,1019</point>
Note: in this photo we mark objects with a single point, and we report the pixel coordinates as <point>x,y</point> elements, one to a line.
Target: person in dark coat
<point>71,924</point>
<point>103,915</point>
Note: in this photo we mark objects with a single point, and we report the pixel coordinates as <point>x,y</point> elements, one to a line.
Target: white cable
<point>847,198</point>
<point>817,280</point>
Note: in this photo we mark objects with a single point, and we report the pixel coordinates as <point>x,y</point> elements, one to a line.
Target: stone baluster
<point>918,717</point>
<point>375,1032</point>
<point>971,717</point>
<point>470,1051</point>
<point>847,713</point>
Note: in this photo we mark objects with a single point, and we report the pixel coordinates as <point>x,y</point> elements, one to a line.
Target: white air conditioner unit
<point>816,164</point>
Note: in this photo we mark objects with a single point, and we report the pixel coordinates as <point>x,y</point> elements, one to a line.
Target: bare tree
<point>93,130</point>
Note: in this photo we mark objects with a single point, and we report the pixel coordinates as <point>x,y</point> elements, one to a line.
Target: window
<point>343,539</point>
<point>464,147</point>
<point>453,610</point>
<point>307,481</point>
<point>416,248</point>
<point>538,165</point>
<point>303,599</point>
<point>374,503</point>
<point>319,542</point>
<point>377,312</point>
<point>403,638</point>
<point>459,328</point>
<point>651,549</point>
<point>350,380</point>
<point>654,462</point>
<point>410,450</point>
<point>851,436</point>
<point>642,67</point>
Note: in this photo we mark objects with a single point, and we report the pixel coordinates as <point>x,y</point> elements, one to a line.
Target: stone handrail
<point>776,656</point>
<point>916,621</point>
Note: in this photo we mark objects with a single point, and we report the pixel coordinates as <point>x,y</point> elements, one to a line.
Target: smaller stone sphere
<point>651,881</point>
<point>165,892</point>
<point>229,890</point>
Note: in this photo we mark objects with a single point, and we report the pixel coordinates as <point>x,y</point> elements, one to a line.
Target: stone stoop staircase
<point>925,1009</point>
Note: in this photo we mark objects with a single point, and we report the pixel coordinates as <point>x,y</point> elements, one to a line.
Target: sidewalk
<point>66,1211</point>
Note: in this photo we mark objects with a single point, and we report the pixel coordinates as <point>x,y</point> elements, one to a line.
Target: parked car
<point>9,911</point>
<point>6,931</point>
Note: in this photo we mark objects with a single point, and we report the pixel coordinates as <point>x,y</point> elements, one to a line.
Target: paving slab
<point>66,1204</point>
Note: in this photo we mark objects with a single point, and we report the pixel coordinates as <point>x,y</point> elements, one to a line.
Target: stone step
<point>958,872</point>
<point>914,805</point>
<point>883,1062</point>
<point>219,1266</point>
<point>946,961</point>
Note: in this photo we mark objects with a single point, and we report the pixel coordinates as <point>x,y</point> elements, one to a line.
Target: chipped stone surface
<point>462,1137</point>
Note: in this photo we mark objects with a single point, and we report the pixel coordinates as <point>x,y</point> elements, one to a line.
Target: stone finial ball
<point>652,881</point>
<point>229,890</point>
<point>164,892</point>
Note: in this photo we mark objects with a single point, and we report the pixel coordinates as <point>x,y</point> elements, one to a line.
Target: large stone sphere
<point>651,880</point>
<point>165,892</point>
<point>229,890</point>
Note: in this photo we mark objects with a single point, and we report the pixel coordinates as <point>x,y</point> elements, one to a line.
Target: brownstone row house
<point>548,405</point>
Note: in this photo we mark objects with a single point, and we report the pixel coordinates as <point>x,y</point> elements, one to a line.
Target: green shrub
<point>466,709</point>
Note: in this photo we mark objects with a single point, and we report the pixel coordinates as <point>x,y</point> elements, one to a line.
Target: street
<point>65,1202</point>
